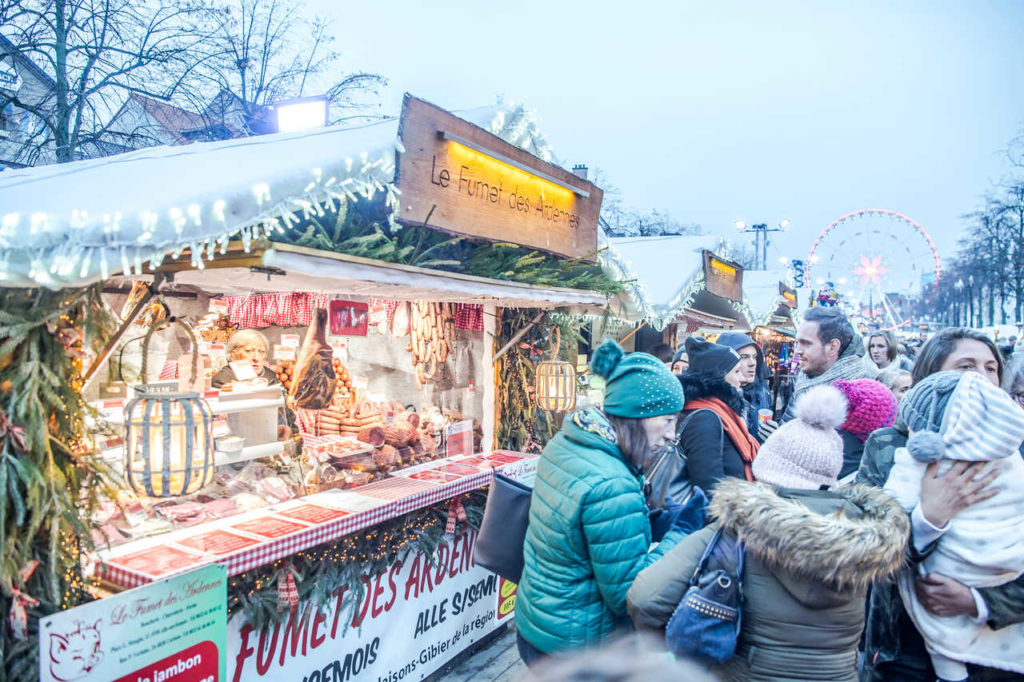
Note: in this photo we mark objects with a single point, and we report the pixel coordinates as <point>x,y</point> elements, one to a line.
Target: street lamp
<point>761,231</point>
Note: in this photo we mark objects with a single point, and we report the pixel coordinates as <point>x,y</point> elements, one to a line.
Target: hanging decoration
<point>555,388</point>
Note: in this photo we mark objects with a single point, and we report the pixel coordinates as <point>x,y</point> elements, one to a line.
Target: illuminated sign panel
<point>470,182</point>
<point>722,277</point>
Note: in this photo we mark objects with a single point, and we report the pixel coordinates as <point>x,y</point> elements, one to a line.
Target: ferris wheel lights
<point>842,280</point>
<point>740,225</point>
<point>784,223</point>
<point>821,280</point>
<point>784,261</point>
<point>814,258</point>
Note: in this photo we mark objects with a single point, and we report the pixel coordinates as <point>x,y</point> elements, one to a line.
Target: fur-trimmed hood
<point>696,386</point>
<point>839,540</point>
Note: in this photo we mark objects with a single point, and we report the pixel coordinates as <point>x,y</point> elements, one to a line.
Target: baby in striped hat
<point>951,417</point>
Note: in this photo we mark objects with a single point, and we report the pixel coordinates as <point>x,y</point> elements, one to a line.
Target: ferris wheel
<point>876,259</point>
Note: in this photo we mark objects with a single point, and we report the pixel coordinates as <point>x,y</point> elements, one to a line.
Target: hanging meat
<point>313,380</point>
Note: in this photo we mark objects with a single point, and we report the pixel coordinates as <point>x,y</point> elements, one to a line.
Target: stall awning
<point>762,295</point>
<point>665,277</point>
<point>283,267</point>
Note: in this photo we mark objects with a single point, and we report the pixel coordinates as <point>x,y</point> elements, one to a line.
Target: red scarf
<point>734,427</point>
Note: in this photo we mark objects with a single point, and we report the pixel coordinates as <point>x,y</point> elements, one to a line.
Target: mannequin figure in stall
<point>247,355</point>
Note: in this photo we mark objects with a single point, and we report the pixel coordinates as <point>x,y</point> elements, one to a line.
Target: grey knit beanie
<point>924,405</point>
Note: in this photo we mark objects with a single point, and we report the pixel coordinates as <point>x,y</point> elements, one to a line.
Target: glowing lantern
<point>168,449</point>
<point>555,386</point>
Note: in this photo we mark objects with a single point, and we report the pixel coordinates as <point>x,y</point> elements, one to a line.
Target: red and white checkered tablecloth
<point>406,495</point>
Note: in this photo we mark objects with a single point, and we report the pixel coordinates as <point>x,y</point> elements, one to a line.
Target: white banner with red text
<point>411,620</point>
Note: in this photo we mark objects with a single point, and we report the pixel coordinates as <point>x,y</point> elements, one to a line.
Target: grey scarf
<point>848,367</point>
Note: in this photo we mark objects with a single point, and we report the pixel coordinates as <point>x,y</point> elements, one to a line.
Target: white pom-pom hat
<point>806,453</point>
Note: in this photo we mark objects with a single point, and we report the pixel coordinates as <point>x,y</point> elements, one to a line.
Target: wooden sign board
<point>723,278</point>
<point>471,182</point>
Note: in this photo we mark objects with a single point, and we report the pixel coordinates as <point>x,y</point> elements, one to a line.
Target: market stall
<point>679,285</point>
<point>774,305</point>
<point>338,476</point>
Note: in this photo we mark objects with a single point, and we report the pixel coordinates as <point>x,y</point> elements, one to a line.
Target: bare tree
<point>97,52</point>
<point>271,50</point>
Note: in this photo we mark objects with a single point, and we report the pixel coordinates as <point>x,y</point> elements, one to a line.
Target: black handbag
<point>499,542</point>
<point>706,624</point>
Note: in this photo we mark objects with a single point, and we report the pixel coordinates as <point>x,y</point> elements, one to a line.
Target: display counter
<point>256,538</point>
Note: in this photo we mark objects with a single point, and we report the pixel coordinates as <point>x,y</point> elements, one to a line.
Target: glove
<point>766,429</point>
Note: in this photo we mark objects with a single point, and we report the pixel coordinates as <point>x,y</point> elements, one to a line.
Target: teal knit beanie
<point>637,385</point>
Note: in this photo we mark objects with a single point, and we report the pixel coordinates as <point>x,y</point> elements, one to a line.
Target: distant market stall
<point>679,285</point>
<point>338,483</point>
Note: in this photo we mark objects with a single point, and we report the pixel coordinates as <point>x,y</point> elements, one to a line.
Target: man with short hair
<point>828,350</point>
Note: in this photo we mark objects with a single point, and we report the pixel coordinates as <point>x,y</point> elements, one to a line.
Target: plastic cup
<point>764,416</point>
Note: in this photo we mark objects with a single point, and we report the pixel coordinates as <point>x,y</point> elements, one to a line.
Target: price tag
<point>340,350</point>
<point>459,438</point>
<point>284,353</point>
<point>290,340</point>
<point>219,306</point>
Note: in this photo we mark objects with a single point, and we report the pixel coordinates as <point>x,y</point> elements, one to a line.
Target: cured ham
<point>313,380</point>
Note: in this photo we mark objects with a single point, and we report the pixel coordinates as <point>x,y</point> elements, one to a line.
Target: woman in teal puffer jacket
<point>589,533</point>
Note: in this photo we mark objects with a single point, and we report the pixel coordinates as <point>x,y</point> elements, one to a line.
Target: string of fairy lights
<point>81,246</point>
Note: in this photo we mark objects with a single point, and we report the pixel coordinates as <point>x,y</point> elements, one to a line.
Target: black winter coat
<point>710,454</point>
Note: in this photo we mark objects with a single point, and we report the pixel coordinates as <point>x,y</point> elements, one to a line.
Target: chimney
<point>580,171</point>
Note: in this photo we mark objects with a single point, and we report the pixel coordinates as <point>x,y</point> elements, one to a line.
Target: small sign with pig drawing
<point>173,630</point>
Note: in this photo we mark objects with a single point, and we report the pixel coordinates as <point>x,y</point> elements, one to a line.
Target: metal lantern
<point>168,448</point>
<point>555,387</point>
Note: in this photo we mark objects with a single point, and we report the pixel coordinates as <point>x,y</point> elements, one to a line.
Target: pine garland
<point>321,570</point>
<point>521,426</point>
<point>49,477</point>
<point>365,228</point>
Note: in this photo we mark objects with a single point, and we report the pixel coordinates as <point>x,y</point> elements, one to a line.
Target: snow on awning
<point>70,224</point>
<point>667,275</point>
<point>67,224</point>
<point>761,294</point>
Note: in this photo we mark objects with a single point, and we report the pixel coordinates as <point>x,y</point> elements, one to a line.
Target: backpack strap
<point>686,420</point>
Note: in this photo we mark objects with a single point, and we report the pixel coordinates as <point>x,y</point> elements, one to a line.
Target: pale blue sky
<point>732,109</point>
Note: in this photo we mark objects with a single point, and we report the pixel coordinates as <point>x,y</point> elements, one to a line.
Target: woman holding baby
<point>952,461</point>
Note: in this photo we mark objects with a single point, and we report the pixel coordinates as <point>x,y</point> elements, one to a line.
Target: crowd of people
<point>880,511</point>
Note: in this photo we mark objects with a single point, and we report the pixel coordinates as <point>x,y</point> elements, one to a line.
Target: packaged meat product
<point>183,512</point>
<point>274,488</point>
<point>357,478</point>
<point>390,456</point>
<point>248,501</point>
<point>400,434</point>
<point>360,462</point>
<point>374,435</point>
<point>221,508</point>
<point>314,380</point>
<point>428,442</point>
<point>107,535</point>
